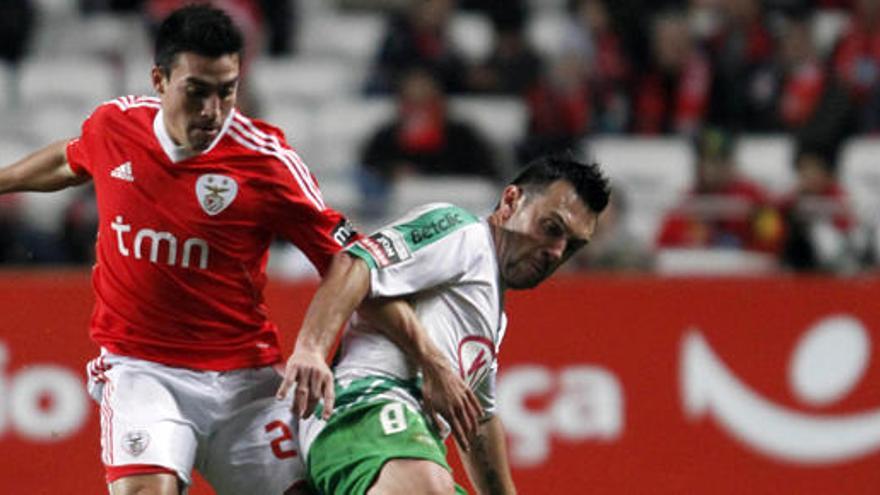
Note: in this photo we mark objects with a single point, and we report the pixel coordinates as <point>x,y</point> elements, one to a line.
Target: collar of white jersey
<point>177,153</point>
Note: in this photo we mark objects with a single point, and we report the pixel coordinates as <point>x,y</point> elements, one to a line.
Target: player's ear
<point>157,75</point>
<point>509,201</point>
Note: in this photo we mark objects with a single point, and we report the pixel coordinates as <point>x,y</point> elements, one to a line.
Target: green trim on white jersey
<point>433,225</point>
<point>361,391</point>
<point>397,243</point>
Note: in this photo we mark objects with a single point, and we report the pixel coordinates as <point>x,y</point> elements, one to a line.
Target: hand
<point>446,394</point>
<point>311,376</point>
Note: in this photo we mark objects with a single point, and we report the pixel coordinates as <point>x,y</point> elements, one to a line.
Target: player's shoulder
<point>267,150</point>
<point>126,108</point>
<point>261,140</point>
<point>257,131</point>
<point>434,221</point>
<point>131,105</point>
<point>430,211</point>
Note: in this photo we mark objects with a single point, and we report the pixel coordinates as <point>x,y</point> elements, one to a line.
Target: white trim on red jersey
<point>126,102</point>
<point>177,153</point>
<point>298,164</point>
<point>240,128</point>
<point>249,136</point>
<point>297,161</point>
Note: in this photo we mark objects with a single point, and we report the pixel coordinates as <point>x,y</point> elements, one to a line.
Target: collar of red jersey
<point>177,153</point>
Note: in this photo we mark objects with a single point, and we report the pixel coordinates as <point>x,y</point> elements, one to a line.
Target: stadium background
<point>712,368</point>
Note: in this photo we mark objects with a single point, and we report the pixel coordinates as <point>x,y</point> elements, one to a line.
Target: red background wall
<point>593,383</point>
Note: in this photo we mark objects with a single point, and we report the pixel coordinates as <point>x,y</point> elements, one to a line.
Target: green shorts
<point>347,456</point>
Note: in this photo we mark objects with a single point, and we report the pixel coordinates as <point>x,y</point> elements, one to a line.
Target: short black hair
<point>197,28</point>
<point>587,178</point>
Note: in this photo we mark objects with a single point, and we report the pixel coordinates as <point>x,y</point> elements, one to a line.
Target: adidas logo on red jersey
<point>123,172</point>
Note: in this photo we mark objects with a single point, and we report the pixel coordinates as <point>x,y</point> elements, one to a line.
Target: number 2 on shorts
<point>392,418</point>
<point>277,444</point>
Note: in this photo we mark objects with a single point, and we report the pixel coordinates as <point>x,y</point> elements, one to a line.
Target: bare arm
<point>344,288</point>
<point>345,285</point>
<point>44,170</point>
<point>444,392</point>
<point>486,462</point>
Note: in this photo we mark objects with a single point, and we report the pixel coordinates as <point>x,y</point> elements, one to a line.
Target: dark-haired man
<point>453,268</point>
<point>190,195</point>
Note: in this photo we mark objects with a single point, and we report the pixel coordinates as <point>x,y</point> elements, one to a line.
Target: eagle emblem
<point>136,442</point>
<point>215,192</point>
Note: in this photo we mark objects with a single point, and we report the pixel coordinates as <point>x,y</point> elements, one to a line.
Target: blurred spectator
<point>16,25</point>
<point>813,105</point>
<point>386,6</point>
<point>10,248</point>
<point>804,81</point>
<point>818,222</point>
<point>834,4</point>
<point>591,37</point>
<point>633,20</point>
<point>418,38</point>
<point>613,246</point>
<point>857,62</point>
<point>281,18</point>
<point>514,65</point>
<point>560,109</point>
<point>724,210</point>
<point>90,6</point>
<point>494,8</point>
<point>421,139</point>
<point>742,50</point>
<point>672,96</point>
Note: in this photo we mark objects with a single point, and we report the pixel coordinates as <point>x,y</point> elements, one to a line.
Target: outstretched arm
<point>44,170</point>
<point>486,462</point>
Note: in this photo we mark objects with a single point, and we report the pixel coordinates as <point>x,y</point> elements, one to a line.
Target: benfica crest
<point>136,442</point>
<point>215,192</point>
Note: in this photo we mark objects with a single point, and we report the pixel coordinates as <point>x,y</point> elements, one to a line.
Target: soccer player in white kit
<point>453,268</point>
<point>190,193</point>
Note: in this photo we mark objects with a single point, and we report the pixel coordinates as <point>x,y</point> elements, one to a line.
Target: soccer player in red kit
<point>190,195</point>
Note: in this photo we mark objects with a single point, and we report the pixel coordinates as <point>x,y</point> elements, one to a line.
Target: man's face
<point>539,231</point>
<point>671,43</point>
<point>713,174</point>
<point>197,96</point>
<point>812,175</point>
<point>418,89</point>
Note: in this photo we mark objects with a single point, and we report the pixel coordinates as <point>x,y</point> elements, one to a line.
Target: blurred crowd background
<point>741,135</point>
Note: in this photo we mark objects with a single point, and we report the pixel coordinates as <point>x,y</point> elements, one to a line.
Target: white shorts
<point>227,425</point>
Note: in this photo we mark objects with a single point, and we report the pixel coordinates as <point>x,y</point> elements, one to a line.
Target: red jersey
<point>857,59</point>
<point>677,104</point>
<point>736,216</point>
<point>183,239</point>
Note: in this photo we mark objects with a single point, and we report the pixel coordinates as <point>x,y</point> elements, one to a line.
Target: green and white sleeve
<point>425,249</point>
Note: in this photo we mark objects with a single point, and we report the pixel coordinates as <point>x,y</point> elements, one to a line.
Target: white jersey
<point>442,259</point>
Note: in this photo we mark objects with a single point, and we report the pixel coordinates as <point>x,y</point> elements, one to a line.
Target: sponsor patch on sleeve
<point>343,232</point>
<point>386,247</point>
